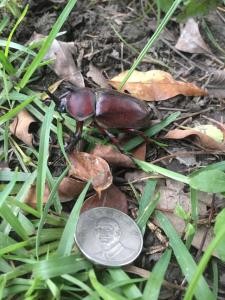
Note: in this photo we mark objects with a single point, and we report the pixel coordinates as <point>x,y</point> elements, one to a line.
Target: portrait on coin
<point>108,236</point>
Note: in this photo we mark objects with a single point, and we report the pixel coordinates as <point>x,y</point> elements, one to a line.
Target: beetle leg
<point>112,138</point>
<point>76,137</point>
<point>139,133</point>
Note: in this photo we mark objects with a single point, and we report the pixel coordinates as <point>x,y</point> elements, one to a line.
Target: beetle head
<point>80,104</point>
<point>62,105</point>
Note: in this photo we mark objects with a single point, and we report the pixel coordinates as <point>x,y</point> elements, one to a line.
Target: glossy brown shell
<point>118,110</point>
<point>80,104</point>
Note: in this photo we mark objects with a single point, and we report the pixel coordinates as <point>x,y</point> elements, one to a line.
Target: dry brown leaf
<point>200,235</point>
<point>140,152</point>
<point>138,179</point>
<point>113,156</point>
<point>69,188</point>
<point>155,85</point>
<point>203,139</point>
<point>20,127</point>
<point>111,197</point>
<point>96,75</point>
<point>64,65</point>
<point>87,166</point>
<point>31,200</point>
<point>172,194</point>
<point>117,159</point>
<point>190,39</point>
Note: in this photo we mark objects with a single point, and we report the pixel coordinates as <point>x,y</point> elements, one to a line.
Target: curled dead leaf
<point>87,166</point>
<point>64,65</point>
<point>111,197</point>
<point>117,159</point>
<point>190,39</point>
<point>113,156</point>
<point>155,85</point>
<point>203,139</point>
<point>69,188</point>
<point>172,194</point>
<point>21,127</point>
<point>30,198</point>
<point>96,75</point>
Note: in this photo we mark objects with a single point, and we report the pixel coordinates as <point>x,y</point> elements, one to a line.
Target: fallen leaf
<point>69,188</point>
<point>117,159</point>
<point>140,152</point>
<point>21,127</point>
<point>138,179</point>
<point>30,198</point>
<point>190,39</point>
<point>62,55</point>
<point>111,197</point>
<point>113,156</point>
<point>200,235</point>
<point>87,166</point>
<point>155,85</point>
<point>203,139</point>
<point>170,196</point>
<point>211,131</point>
<point>96,75</point>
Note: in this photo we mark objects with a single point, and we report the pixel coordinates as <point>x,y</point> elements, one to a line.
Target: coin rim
<point>97,262</point>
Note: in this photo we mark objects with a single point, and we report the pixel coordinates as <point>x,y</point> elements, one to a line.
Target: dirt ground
<point>95,26</point>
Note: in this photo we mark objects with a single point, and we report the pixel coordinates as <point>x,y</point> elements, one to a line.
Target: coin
<point>108,237</point>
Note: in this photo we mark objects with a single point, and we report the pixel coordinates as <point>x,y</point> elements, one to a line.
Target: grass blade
<point>6,63</point>
<point>185,260</point>
<point>148,167</point>
<point>14,28</point>
<point>7,215</point>
<point>147,204</point>
<point>47,206</point>
<point>151,131</point>
<point>43,156</point>
<point>131,291</point>
<point>151,41</point>
<point>153,285</point>
<point>67,239</point>
<point>46,45</point>
<point>7,190</point>
<point>58,266</point>
<point>103,291</point>
<point>12,113</point>
<point>218,239</point>
<point>82,285</point>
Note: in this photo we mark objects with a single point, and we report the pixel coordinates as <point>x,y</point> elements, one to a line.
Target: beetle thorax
<point>81,104</point>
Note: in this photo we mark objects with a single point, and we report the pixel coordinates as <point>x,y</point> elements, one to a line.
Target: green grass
<point>38,257</point>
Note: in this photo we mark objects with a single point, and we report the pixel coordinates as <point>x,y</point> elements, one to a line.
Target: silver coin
<point>108,237</point>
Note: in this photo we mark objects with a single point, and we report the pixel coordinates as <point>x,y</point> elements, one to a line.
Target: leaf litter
<point>208,136</point>
<point>103,196</point>
<point>190,39</point>
<point>23,126</point>
<point>155,85</point>
<point>63,62</point>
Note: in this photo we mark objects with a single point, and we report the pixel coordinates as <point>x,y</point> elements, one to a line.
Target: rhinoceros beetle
<point>108,108</point>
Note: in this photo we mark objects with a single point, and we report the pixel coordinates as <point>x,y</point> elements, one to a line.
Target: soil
<point>93,27</point>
